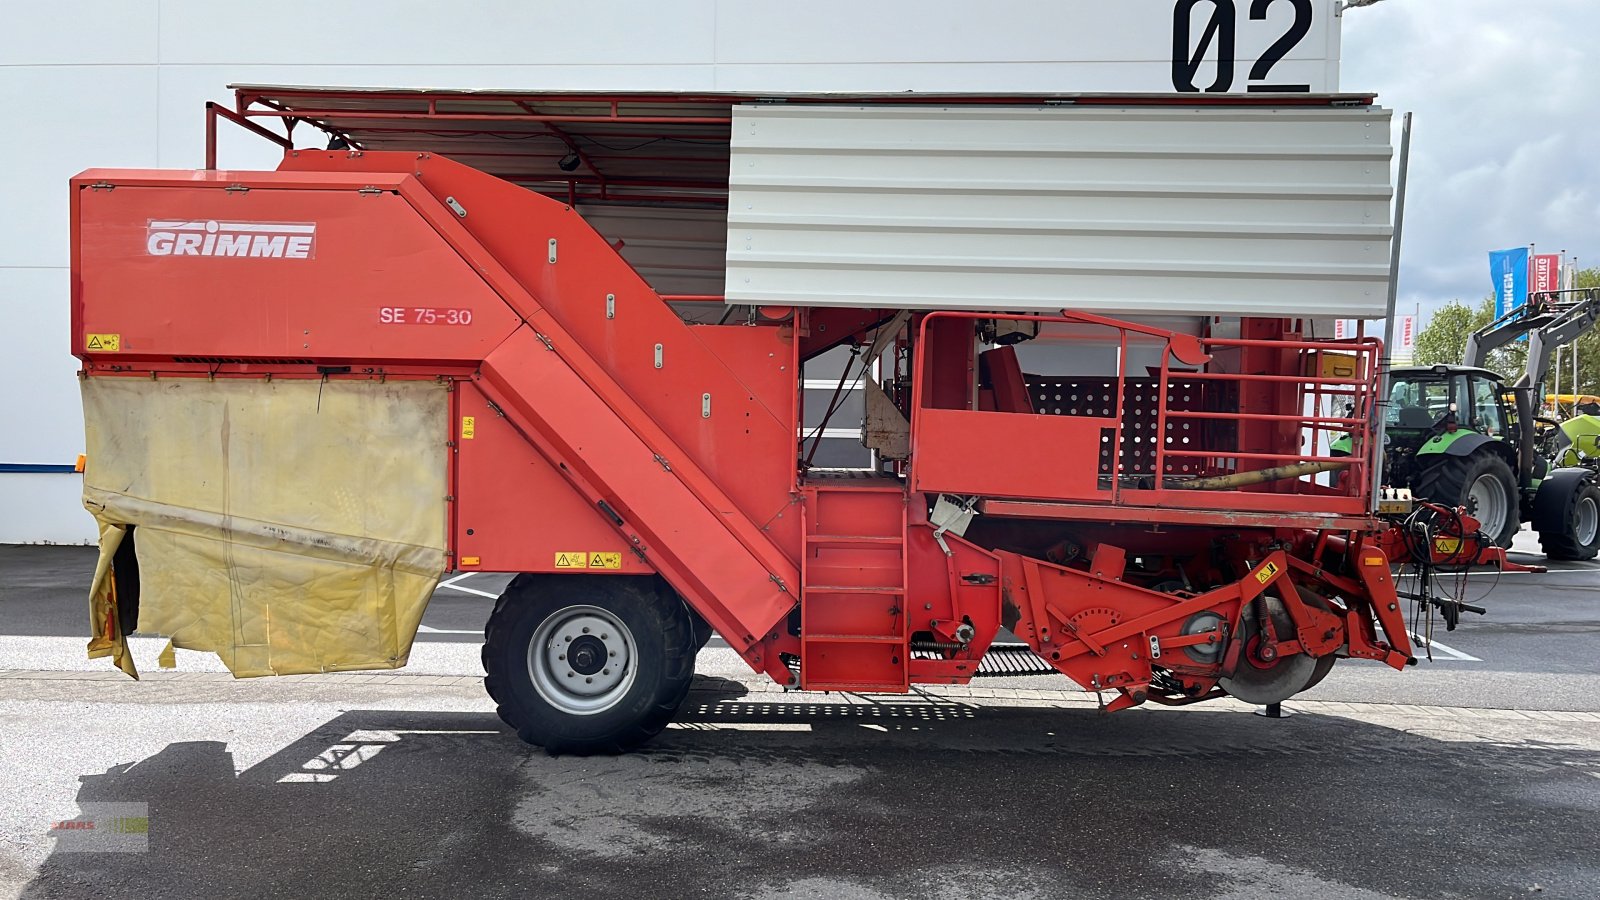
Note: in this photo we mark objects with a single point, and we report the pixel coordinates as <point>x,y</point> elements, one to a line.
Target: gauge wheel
<point>1263,682</point>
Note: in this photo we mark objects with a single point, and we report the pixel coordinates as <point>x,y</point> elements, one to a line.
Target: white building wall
<point>121,83</point>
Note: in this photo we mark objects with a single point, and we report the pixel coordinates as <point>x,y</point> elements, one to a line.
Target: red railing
<point>1361,354</point>
<point>1256,404</point>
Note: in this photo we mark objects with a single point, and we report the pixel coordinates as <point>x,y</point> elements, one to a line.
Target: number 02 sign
<point>1213,40</point>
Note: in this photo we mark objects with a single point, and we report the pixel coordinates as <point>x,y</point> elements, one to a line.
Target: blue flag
<point>1509,271</point>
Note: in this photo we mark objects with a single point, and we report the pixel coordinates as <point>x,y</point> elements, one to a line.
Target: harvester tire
<point>1567,515</point>
<point>1452,481</point>
<point>587,664</point>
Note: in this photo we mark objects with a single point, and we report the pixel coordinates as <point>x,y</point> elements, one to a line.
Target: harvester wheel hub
<point>1204,623</point>
<point>581,659</point>
<point>1259,654</point>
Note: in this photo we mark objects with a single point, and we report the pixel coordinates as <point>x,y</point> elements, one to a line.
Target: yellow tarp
<point>289,526</point>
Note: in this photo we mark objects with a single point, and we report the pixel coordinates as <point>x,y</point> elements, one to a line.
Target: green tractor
<point>1459,436</point>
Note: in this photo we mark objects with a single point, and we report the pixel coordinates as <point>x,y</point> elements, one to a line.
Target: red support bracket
<point>215,111</point>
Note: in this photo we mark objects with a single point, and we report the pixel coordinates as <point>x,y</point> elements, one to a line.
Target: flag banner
<point>1404,350</point>
<point>1509,271</point>
<point>1545,273</point>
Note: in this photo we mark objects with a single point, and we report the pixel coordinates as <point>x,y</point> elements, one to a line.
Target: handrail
<point>1314,386</point>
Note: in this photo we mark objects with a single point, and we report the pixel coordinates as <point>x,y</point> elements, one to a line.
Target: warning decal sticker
<point>102,343</point>
<point>592,559</point>
<point>1265,573</point>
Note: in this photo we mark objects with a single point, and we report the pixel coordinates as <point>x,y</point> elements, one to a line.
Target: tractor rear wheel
<point>587,663</point>
<point>1569,518</point>
<point>1483,485</point>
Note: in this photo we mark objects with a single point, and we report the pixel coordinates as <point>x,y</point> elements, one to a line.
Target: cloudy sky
<point>1506,142</point>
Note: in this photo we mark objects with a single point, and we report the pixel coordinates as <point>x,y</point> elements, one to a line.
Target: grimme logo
<point>266,240</point>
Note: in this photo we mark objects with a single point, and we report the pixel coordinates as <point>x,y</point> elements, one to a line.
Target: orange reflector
<point>1372,560</point>
<point>78,466</point>
<point>471,561</point>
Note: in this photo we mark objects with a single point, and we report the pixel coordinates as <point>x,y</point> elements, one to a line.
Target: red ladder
<point>853,634</point>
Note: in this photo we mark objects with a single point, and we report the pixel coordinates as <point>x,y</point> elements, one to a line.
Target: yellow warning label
<point>601,560</point>
<point>572,559</point>
<point>471,561</point>
<point>1265,573</point>
<point>1447,544</point>
<point>102,343</point>
<point>469,425</point>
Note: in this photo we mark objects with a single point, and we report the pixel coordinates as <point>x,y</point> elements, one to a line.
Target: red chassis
<point>655,448</point>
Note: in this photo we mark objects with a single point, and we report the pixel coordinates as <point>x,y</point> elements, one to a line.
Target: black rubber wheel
<point>587,663</point>
<point>1471,482</point>
<point>702,628</point>
<point>1568,517</point>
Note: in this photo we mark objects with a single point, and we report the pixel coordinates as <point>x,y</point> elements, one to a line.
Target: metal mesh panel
<point>1075,396</point>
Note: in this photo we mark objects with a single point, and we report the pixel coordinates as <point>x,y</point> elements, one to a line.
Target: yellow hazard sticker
<point>1265,573</point>
<point>602,560</point>
<point>572,559</point>
<point>469,426</point>
<point>1447,544</point>
<point>471,561</point>
<point>102,343</point>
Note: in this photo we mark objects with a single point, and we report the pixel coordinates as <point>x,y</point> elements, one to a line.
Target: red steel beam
<point>214,110</point>
<point>730,99</point>
<point>486,117</point>
<point>572,145</point>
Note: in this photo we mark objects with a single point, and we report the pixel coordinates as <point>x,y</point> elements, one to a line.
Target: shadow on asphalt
<point>879,797</point>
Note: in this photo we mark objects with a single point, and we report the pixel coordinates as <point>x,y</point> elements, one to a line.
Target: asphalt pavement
<point>1475,774</point>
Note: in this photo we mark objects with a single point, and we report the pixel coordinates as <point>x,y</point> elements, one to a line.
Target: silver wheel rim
<point>582,660</point>
<point>1588,521</point>
<point>1487,503</point>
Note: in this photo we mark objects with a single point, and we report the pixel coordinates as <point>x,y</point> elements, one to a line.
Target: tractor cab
<point>1451,435</point>
<point>1429,404</point>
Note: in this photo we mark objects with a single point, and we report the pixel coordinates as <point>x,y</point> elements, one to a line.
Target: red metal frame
<point>948,444</point>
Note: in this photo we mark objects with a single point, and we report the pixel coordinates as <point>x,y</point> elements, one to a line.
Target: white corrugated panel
<point>1138,209</point>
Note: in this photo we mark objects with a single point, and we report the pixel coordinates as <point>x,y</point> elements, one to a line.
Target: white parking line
<point>1490,573</point>
<point>1440,650</point>
<point>453,585</point>
<point>429,629</point>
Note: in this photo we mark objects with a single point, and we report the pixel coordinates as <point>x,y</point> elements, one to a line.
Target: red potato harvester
<point>454,342</point>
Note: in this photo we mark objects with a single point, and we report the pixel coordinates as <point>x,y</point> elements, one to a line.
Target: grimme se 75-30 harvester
<point>1076,332</point>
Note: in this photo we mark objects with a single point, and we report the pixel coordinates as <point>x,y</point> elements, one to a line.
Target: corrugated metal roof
<point>1161,203</point>
<point>1150,209</point>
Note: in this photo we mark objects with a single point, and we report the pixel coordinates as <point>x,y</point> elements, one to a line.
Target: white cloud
<point>1506,143</point>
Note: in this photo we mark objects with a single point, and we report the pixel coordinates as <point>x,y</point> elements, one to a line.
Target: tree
<point>1445,338</point>
<point>1444,341</point>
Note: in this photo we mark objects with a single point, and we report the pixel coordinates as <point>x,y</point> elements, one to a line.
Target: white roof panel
<point>1138,209</point>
